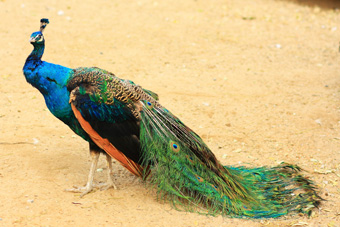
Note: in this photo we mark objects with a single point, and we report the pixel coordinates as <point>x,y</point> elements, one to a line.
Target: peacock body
<point>127,122</point>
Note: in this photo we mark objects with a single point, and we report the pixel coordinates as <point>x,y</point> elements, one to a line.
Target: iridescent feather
<point>183,169</point>
<point>127,122</point>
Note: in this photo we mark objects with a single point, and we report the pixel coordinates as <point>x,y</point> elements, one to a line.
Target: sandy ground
<point>257,79</point>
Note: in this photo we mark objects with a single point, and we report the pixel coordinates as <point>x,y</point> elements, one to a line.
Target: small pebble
<point>60,12</point>
<point>278,46</point>
<point>237,150</point>
<point>35,141</point>
<point>30,200</point>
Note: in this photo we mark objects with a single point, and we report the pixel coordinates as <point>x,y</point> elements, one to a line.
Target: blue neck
<point>51,80</point>
<point>34,59</point>
<point>37,52</point>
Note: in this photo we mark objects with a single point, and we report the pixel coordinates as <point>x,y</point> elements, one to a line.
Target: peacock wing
<point>108,110</point>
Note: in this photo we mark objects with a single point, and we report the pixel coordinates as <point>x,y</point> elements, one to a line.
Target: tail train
<point>186,173</point>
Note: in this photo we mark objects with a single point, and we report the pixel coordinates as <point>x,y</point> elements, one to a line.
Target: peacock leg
<point>89,185</point>
<point>109,183</point>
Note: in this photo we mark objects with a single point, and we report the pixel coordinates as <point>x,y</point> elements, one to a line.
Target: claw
<point>84,190</point>
<point>90,185</point>
<point>108,184</point>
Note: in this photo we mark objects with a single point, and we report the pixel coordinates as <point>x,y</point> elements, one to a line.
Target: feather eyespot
<point>200,179</point>
<point>174,147</point>
<point>149,105</point>
<point>190,159</point>
<point>214,186</point>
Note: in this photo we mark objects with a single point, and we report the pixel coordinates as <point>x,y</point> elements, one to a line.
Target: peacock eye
<point>39,38</point>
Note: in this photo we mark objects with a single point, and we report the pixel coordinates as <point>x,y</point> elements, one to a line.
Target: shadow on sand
<point>323,4</point>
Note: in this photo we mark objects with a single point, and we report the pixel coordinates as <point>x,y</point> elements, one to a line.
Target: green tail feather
<point>185,172</point>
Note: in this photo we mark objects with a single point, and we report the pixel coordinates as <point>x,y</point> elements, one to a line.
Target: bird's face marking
<point>37,37</point>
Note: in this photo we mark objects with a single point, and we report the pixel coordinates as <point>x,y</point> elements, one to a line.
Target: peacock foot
<point>84,190</point>
<point>87,189</point>
<point>90,185</point>
<point>109,184</point>
<point>105,186</point>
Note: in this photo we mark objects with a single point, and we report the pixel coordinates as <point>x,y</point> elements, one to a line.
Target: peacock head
<point>38,37</point>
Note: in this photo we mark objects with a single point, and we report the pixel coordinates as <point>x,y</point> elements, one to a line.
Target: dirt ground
<point>257,79</point>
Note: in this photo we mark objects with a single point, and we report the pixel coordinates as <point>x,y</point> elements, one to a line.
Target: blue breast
<point>51,79</point>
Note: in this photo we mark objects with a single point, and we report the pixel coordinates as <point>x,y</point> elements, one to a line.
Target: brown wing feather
<point>105,144</point>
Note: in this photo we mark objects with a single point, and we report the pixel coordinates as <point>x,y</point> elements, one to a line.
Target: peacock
<point>127,122</point>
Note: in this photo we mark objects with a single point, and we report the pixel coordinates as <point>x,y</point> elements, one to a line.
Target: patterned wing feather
<point>108,109</point>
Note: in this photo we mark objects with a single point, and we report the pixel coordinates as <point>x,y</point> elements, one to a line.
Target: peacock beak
<point>32,39</point>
